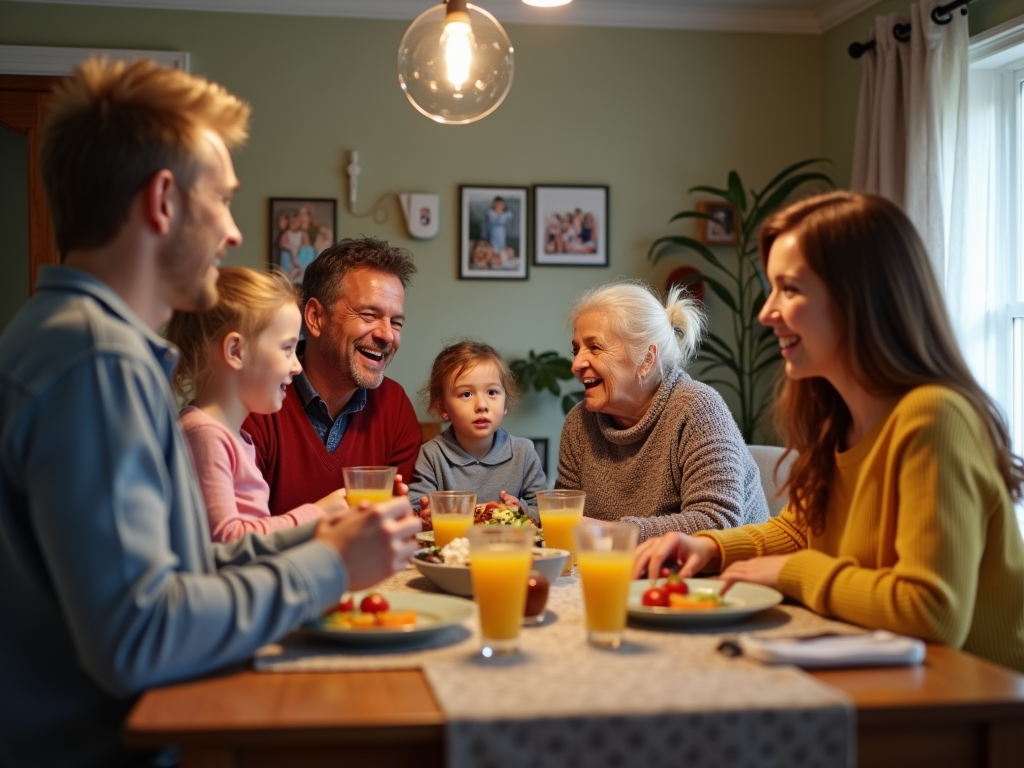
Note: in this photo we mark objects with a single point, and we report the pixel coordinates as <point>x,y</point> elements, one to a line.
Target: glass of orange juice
<point>561,511</point>
<point>372,484</point>
<point>605,554</point>
<point>451,513</point>
<point>500,558</point>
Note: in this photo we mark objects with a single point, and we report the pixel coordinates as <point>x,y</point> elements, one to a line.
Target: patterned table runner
<point>667,697</point>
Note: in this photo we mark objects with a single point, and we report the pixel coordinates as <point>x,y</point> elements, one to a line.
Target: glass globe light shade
<point>455,63</point>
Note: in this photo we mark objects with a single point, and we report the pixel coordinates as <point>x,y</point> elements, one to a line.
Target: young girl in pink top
<point>237,358</point>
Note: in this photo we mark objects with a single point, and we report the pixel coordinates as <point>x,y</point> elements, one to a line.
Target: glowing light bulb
<point>455,63</point>
<point>457,41</point>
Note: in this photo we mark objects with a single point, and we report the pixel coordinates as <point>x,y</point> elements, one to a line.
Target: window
<point>990,317</point>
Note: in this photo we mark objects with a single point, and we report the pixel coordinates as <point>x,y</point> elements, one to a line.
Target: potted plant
<point>543,372</point>
<point>744,356</point>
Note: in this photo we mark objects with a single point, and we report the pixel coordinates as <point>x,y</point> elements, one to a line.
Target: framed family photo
<point>570,225</point>
<point>722,231</point>
<point>492,227</point>
<point>300,228</point>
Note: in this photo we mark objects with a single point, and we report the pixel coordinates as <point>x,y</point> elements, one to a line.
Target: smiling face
<point>474,402</point>
<point>270,362</point>
<point>205,230</point>
<point>802,314</point>
<point>361,333</point>
<point>611,380</point>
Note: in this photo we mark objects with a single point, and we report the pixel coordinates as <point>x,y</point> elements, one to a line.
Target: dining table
<point>954,710</point>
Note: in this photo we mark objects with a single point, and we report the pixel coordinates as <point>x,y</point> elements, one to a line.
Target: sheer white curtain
<point>982,274</point>
<point>912,120</point>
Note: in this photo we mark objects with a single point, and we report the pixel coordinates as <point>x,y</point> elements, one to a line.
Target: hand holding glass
<point>500,558</point>
<point>452,514</point>
<point>605,553</point>
<point>561,512</point>
<point>372,484</point>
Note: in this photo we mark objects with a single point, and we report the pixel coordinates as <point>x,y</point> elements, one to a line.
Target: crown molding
<point>710,16</point>
<point>38,60</point>
<point>833,14</point>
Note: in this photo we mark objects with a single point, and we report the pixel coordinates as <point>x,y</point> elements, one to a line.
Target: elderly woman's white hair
<point>637,316</point>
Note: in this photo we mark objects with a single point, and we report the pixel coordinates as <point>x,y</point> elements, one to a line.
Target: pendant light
<point>455,63</point>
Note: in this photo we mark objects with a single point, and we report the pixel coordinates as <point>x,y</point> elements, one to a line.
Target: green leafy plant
<point>745,358</point>
<point>543,372</point>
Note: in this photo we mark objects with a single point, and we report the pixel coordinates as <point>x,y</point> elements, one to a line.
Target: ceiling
<point>798,16</point>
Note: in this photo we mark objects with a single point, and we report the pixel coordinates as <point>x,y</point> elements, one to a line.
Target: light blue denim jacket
<point>108,581</point>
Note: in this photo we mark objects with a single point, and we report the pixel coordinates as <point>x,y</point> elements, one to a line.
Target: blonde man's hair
<point>111,127</point>
<point>248,303</point>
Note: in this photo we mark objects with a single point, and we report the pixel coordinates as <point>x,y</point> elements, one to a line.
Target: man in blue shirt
<point>108,581</point>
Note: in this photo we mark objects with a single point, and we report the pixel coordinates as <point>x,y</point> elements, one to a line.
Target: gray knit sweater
<point>683,467</point>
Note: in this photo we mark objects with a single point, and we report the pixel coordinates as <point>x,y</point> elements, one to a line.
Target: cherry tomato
<point>655,597</point>
<point>373,603</point>
<point>674,585</point>
<point>346,603</point>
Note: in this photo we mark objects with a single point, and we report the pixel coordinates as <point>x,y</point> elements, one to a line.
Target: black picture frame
<point>493,239</point>
<point>540,444</point>
<point>570,225</point>
<point>299,232</point>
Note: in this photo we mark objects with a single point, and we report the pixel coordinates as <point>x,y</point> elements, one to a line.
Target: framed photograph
<point>720,232</point>
<point>570,225</point>
<point>300,228</point>
<point>492,227</point>
<point>541,444</point>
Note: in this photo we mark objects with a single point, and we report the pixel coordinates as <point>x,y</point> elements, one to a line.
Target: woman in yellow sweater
<point>900,512</point>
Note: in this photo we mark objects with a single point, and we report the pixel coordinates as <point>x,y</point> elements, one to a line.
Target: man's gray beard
<point>363,380</point>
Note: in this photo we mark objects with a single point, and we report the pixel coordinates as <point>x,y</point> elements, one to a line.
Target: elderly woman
<point>648,444</point>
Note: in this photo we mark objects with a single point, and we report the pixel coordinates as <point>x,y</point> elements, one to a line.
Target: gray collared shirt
<point>330,430</point>
<point>512,465</point>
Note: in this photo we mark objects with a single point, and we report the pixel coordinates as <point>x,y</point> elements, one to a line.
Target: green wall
<point>648,112</point>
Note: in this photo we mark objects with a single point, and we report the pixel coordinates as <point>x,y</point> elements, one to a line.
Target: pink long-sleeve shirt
<point>237,497</point>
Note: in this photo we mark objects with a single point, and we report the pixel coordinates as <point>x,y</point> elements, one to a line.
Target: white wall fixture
<point>422,212</point>
<point>455,63</point>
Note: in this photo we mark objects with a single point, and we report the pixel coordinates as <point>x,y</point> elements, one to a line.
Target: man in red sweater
<point>341,411</point>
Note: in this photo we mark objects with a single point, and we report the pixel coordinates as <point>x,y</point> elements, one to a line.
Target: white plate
<point>741,601</point>
<point>433,614</point>
<point>427,537</point>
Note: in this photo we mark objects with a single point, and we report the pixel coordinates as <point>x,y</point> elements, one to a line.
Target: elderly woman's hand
<point>694,553</point>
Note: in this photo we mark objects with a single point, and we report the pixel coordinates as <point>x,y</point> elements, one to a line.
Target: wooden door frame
<point>27,76</point>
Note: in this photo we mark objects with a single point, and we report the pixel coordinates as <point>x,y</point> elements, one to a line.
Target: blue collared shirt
<point>108,582</point>
<point>330,430</point>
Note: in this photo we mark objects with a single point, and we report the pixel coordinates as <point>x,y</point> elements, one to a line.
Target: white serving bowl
<point>455,579</point>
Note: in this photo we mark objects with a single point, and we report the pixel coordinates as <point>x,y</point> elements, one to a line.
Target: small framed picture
<point>492,227</point>
<point>570,225</point>
<point>300,228</point>
<point>541,445</point>
<point>722,231</point>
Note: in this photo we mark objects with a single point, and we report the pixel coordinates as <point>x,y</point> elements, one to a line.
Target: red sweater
<point>296,464</point>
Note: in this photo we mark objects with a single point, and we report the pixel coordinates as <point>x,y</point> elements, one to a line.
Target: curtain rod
<point>941,14</point>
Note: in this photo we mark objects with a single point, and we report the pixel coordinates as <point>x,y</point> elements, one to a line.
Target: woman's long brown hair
<point>894,332</point>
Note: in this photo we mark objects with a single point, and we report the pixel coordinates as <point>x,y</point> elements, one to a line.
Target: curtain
<point>911,130</point>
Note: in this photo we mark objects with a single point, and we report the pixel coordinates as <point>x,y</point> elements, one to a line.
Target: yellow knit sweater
<point>921,537</point>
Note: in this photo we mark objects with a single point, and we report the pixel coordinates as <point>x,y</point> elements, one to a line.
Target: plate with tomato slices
<point>389,617</point>
<point>696,602</point>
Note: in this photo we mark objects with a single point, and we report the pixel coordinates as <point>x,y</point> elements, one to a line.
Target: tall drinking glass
<point>372,484</point>
<point>500,557</point>
<point>561,511</point>
<point>451,513</point>
<point>605,554</point>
